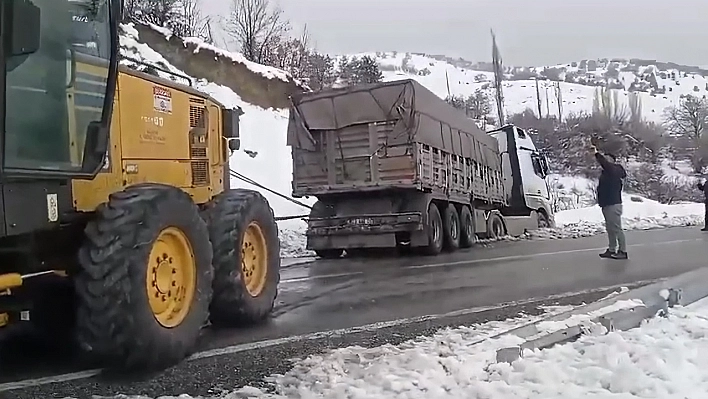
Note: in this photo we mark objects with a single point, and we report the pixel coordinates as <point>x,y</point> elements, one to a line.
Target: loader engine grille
<point>198,142</point>
<point>196,152</point>
<point>200,173</point>
<point>196,117</point>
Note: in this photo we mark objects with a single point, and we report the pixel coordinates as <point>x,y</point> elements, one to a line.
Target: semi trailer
<point>393,165</point>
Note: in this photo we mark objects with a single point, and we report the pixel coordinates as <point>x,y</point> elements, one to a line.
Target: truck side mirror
<point>25,28</point>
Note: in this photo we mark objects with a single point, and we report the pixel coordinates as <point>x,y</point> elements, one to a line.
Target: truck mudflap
<point>365,224</point>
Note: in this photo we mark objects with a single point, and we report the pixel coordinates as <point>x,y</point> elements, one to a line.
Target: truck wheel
<point>543,220</point>
<point>495,226</point>
<point>434,230</point>
<point>451,224</point>
<point>244,234</point>
<point>467,234</point>
<point>145,281</point>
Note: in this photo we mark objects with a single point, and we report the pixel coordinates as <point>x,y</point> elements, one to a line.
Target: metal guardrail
<point>657,299</point>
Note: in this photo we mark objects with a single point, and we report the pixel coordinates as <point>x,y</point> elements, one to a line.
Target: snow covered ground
<point>662,359</point>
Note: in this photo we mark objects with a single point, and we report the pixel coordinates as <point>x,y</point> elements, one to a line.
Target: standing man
<point>704,187</point>
<point>609,198</point>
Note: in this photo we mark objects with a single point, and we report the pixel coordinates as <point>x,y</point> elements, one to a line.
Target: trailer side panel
<point>395,135</point>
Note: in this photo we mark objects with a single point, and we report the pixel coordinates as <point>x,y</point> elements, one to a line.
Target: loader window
<point>54,94</point>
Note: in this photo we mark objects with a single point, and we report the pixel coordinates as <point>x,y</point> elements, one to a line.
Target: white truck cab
<point>525,175</point>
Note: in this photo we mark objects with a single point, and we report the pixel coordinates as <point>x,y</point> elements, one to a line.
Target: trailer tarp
<point>420,116</point>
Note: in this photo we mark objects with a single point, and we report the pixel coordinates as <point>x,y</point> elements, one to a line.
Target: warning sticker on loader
<point>162,99</point>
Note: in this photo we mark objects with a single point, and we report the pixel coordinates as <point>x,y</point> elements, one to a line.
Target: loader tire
<point>467,228</point>
<point>434,229</point>
<point>451,225</point>
<point>244,235</point>
<point>144,286</point>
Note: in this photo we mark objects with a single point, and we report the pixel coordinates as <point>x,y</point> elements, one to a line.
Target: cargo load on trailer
<point>393,165</point>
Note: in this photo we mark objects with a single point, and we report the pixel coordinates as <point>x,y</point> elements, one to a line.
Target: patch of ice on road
<point>662,359</point>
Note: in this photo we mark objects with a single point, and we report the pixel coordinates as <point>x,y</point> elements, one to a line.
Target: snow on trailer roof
<point>424,116</point>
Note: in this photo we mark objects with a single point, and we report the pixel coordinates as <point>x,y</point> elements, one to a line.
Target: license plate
<point>362,221</point>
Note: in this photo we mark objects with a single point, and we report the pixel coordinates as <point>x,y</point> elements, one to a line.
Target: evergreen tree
<point>357,71</point>
<point>368,71</point>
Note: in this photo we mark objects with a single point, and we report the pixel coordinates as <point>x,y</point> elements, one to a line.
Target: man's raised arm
<point>600,158</point>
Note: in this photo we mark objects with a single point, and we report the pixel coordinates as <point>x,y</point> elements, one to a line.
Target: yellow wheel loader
<point>117,222</point>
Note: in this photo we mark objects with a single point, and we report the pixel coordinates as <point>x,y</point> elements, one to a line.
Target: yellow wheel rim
<point>171,277</point>
<point>254,259</point>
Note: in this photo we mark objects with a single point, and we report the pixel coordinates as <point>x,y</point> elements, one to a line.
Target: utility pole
<point>498,77</point>
<point>538,100</point>
<point>559,99</point>
<point>548,104</point>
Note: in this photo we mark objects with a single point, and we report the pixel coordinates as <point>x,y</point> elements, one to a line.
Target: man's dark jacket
<point>704,187</point>
<point>609,189</point>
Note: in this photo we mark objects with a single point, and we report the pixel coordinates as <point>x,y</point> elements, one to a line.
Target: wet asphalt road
<point>324,296</point>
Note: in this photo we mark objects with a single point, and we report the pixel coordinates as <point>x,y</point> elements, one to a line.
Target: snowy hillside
<point>521,94</point>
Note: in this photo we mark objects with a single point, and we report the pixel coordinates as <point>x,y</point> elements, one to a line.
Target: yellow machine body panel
<point>161,132</point>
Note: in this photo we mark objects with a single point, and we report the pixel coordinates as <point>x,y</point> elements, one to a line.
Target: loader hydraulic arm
<point>60,62</point>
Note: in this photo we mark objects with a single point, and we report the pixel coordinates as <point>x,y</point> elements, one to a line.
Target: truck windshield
<point>53,94</point>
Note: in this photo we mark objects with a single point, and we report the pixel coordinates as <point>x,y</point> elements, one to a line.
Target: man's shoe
<point>619,255</point>
<point>607,254</point>
<point>704,229</point>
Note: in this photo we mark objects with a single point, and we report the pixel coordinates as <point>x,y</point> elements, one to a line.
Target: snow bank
<point>639,214</point>
<point>662,359</point>
<point>264,156</point>
<point>266,71</point>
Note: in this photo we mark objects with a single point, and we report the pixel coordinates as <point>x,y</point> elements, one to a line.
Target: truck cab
<point>525,175</point>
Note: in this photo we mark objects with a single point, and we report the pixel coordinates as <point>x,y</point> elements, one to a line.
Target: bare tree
<point>191,21</point>
<point>689,119</point>
<point>606,103</point>
<point>256,25</point>
<point>158,12</point>
<point>130,9</point>
<point>478,105</point>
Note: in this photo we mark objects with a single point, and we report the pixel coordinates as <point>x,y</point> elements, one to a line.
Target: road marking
<point>233,349</point>
<point>308,278</point>
<point>483,260</point>
<point>542,254</point>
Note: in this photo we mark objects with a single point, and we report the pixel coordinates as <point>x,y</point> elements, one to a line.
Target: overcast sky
<point>529,32</point>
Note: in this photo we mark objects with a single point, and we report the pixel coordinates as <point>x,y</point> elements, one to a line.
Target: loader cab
<point>60,63</point>
<point>525,170</point>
